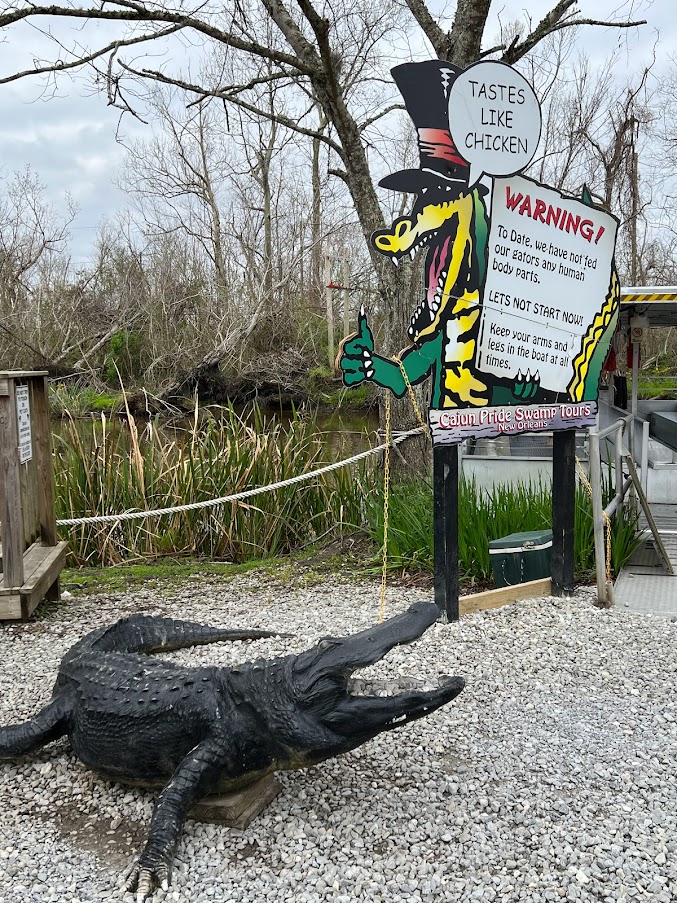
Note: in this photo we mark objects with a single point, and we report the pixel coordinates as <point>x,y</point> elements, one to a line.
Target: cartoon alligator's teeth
<point>394,260</point>
<point>412,253</point>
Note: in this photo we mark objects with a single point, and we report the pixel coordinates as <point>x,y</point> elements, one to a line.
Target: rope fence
<point>248,493</point>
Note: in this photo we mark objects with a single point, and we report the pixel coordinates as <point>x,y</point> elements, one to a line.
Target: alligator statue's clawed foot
<point>146,878</point>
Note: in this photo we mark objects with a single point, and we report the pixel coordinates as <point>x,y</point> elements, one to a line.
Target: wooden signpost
<point>31,556</point>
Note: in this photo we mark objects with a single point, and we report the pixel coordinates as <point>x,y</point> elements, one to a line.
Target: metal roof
<point>657,302</point>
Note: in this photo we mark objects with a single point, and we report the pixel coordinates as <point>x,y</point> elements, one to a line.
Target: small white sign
<point>23,416</point>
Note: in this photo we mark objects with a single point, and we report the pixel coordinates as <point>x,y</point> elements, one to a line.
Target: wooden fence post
<point>11,514</point>
<point>445,529</point>
<point>597,515</point>
<point>563,511</point>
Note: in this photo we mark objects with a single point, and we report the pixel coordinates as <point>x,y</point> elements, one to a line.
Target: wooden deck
<point>41,566</point>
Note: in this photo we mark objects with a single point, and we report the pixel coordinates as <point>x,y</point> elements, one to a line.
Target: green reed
<point>115,470</point>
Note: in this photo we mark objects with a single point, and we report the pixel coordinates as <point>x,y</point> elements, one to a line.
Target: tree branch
<point>141,13</point>
<point>375,118</point>
<point>437,37</point>
<point>204,93</point>
<point>114,46</point>
<point>553,22</point>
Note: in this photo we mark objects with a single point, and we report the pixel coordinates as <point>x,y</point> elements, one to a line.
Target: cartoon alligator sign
<point>521,293</point>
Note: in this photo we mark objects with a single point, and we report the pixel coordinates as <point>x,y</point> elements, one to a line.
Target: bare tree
<point>180,177</point>
<point>326,56</point>
<point>33,244</point>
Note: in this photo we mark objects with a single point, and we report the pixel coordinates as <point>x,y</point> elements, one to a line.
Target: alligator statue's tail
<point>145,633</point>
<point>138,633</point>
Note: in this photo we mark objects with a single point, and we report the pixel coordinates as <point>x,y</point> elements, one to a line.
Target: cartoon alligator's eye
<point>384,242</point>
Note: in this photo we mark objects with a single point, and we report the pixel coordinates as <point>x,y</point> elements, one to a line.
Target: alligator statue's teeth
<point>299,711</point>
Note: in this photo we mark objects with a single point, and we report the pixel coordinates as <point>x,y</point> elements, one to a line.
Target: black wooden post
<point>563,511</point>
<point>445,528</point>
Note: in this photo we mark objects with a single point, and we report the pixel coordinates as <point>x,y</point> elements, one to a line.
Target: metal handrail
<point>622,487</point>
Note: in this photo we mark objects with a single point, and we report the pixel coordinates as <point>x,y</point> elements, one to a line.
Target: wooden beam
<point>11,514</point>
<point>504,595</point>
<point>10,607</point>
<point>445,528</point>
<point>22,374</point>
<point>563,511</point>
<point>43,578</point>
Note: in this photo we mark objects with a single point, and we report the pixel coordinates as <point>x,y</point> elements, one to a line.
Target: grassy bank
<point>114,469</point>
<point>484,516</point>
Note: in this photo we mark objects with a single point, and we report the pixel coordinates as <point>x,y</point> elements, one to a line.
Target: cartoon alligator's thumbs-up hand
<point>356,353</point>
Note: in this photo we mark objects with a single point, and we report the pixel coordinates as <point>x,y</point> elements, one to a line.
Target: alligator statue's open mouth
<point>360,686</point>
<point>395,688</point>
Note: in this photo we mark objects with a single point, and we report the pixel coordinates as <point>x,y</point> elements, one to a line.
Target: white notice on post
<point>548,274</point>
<point>23,416</point>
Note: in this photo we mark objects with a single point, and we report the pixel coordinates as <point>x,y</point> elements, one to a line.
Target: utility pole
<point>330,312</point>
<point>346,297</point>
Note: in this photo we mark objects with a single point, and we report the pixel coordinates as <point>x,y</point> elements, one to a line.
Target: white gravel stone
<point>552,776</point>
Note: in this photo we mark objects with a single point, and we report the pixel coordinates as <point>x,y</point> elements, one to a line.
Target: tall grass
<point>114,469</point>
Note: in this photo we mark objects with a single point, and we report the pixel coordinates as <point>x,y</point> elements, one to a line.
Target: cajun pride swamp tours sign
<point>521,293</point>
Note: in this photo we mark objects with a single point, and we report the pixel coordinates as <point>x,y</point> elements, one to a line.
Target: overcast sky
<point>69,139</point>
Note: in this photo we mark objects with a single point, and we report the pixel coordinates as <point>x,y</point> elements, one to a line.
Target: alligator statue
<point>195,731</point>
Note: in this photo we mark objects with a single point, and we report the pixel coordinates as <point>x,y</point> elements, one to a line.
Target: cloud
<point>69,136</point>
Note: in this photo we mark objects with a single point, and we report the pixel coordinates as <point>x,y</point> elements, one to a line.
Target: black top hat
<point>425,88</point>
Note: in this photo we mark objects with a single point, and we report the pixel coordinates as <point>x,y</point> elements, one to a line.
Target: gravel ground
<point>551,777</point>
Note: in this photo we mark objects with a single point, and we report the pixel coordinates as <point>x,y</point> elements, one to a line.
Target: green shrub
<point>123,360</point>
<point>483,516</point>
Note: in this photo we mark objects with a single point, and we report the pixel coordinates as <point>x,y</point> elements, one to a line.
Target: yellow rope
<point>588,487</point>
<point>386,477</point>
<point>412,396</point>
<point>386,498</point>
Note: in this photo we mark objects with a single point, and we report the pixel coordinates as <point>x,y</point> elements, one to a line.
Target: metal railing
<point>599,513</point>
<point>636,431</point>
